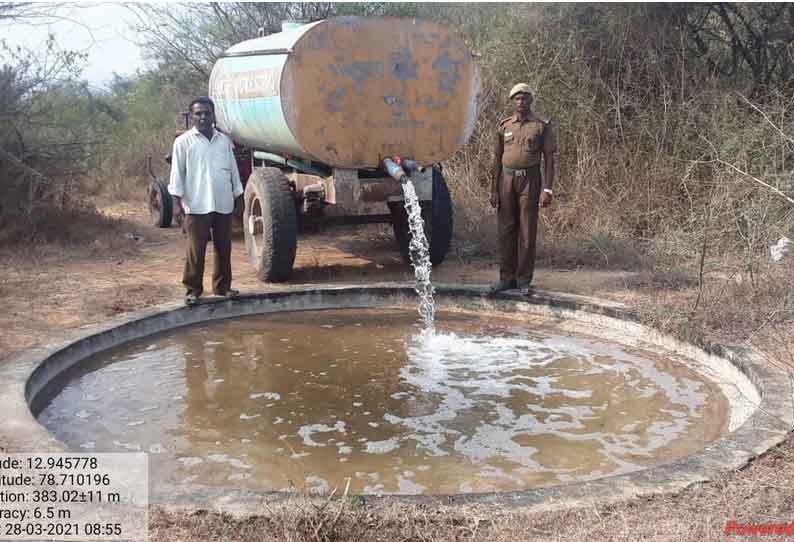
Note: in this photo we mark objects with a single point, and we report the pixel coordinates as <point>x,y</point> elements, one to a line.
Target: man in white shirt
<point>205,187</point>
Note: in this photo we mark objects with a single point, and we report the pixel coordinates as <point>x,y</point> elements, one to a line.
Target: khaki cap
<point>520,87</point>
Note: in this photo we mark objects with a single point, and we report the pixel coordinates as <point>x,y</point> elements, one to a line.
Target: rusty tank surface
<point>350,91</point>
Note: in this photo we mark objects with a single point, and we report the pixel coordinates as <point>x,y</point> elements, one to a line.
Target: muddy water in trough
<point>308,399</point>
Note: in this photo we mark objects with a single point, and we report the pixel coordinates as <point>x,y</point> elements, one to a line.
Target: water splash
<point>419,250</point>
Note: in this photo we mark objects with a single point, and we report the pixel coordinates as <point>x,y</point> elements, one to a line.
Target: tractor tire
<point>437,216</point>
<point>270,224</point>
<point>160,206</point>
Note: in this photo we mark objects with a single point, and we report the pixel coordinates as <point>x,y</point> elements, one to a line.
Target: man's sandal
<point>191,300</point>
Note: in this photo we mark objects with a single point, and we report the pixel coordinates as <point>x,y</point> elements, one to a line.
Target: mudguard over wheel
<point>160,205</point>
<point>270,224</point>
<point>437,216</point>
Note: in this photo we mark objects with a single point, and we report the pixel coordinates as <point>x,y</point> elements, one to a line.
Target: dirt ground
<point>46,290</point>
<point>49,289</point>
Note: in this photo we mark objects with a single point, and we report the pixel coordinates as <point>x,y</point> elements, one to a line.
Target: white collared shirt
<point>204,173</point>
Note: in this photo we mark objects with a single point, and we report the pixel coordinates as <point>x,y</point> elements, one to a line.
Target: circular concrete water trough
<point>760,396</point>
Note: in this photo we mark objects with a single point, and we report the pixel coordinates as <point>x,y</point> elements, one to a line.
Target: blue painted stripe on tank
<point>260,120</point>
<point>252,121</point>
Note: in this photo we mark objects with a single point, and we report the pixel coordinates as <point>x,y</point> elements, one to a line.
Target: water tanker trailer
<point>320,106</point>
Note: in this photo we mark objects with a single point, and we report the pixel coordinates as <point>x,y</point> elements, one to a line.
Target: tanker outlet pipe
<point>410,166</point>
<point>394,169</point>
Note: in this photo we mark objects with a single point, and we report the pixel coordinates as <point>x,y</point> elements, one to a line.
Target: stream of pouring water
<point>420,255</point>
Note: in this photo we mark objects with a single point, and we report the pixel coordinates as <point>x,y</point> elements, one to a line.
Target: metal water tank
<point>349,91</point>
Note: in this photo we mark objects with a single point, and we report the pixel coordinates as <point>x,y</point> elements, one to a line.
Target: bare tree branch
<point>756,179</point>
<point>766,117</point>
<point>5,155</point>
<point>746,174</point>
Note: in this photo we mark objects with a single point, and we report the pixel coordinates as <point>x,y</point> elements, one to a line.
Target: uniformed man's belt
<point>518,172</point>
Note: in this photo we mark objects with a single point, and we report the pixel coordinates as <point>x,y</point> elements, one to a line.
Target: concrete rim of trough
<point>24,376</point>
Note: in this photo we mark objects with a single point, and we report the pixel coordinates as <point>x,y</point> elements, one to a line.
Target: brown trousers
<point>518,225</point>
<point>197,228</point>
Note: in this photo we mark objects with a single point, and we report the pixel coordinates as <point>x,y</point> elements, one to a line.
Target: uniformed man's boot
<point>502,285</point>
<point>527,290</point>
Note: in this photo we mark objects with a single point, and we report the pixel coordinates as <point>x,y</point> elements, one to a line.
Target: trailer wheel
<point>160,205</point>
<point>270,224</point>
<point>437,216</point>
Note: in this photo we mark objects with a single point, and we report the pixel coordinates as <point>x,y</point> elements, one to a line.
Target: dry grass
<point>731,306</point>
<point>74,227</point>
<point>299,519</point>
<point>761,493</point>
<point>599,251</point>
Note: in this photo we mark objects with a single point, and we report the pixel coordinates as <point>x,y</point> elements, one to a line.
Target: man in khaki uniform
<point>518,188</point>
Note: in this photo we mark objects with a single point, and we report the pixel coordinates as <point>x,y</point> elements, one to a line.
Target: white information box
<point>74,497</point>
